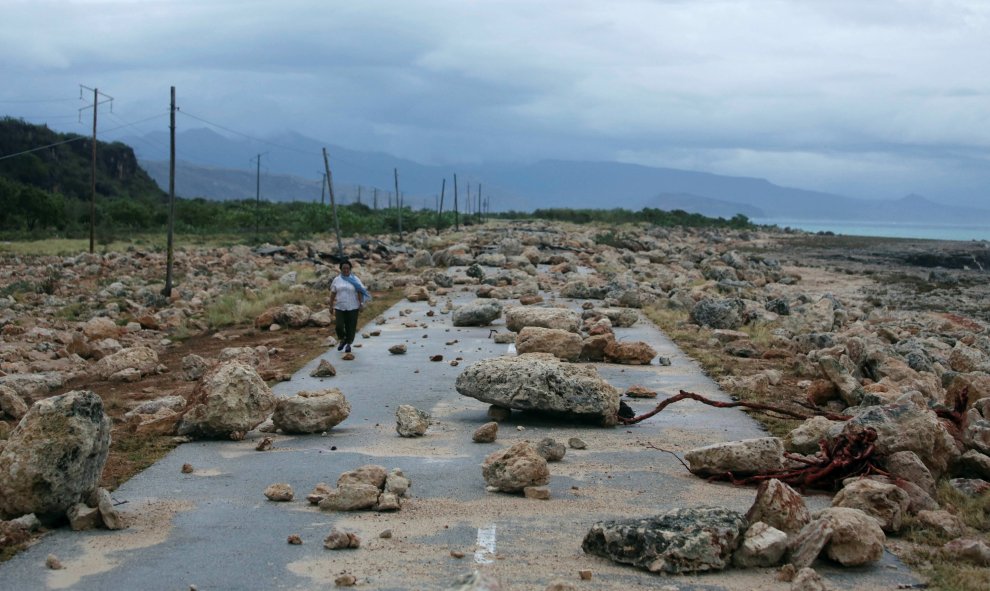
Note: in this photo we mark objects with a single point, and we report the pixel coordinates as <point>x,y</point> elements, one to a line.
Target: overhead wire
<point>77,138</point>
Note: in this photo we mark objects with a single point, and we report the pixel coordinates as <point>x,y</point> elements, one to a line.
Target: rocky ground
<point>881,330</point>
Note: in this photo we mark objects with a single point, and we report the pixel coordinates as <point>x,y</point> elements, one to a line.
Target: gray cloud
<point>876,98</point>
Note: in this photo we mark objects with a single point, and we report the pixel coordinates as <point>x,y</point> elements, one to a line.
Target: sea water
<point>885,229</point>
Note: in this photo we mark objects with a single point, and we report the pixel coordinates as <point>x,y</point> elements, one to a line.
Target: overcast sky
<point>868,98</point>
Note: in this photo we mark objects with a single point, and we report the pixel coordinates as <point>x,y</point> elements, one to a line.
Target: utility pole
<point>323,190</point>
<point>167,292</point>
<point>92,200</point>
<point>398,199</point>
<point>457,227</point>
<point>479,204</point>
<point>443,187</point>
<point>257,194</point>
<point>374,199</point>
<point>333,204</point>
<point>359,195</point>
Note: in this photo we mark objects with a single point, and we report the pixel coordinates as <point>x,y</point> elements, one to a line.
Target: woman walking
<point>347,296</point>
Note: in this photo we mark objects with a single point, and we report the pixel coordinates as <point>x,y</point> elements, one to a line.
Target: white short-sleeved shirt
<point>347,295</point>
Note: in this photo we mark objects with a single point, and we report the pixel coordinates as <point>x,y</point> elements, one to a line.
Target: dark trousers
<point>346,325</point>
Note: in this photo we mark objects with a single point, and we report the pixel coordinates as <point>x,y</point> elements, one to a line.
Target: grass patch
<point>716,363</point>
<point>75,246</point>
<point>130,454</point>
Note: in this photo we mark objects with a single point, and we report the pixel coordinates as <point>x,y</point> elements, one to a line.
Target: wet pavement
<point>214,528</point>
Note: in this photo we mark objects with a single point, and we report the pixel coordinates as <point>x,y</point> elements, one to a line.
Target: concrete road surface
<point>214,529</point>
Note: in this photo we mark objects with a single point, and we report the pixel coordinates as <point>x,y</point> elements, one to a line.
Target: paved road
<point>214,528</point>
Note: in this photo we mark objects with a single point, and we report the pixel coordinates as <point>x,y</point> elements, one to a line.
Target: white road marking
<point>486,545</point>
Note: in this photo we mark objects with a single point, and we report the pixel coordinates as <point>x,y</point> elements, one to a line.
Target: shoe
<point>340,347</point>
<point>347,349</point>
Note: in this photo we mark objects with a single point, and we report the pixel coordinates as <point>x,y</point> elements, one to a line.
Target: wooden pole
<point>333,204</point>
<point>479,204</point>
<point>457,226</point>
<point>323,190</point>
<point>374,199</point>
<point>398,200</point>
<point>257,197</point>
<point>169,259</point>
<point>92,199</point>
<point>359,195</point>
<point>443,187</point>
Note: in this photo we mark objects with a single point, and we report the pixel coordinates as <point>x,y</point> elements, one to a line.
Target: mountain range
<point>215,166</point>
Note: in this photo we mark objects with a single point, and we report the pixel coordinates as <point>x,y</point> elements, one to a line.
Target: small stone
<point>640,392</point>
<point>585,574</point>
<point>436,357</point>
<point>454,363</point>
<point>561,586</point>
<point>385,534</point>
<point>323,370</point>
<point>280,492</point>
<point>294,539</point>
<point>341,540</point>
<point>520,428</point>
<point>486,433</point>
<point>348,357</point>
<point>264,445</point>
<point>577,443</point>
<point>399,349</point>
<point>345,581</point>
<point>807,579</point>
<point>53,562</point>
<point>187,468</point>
<point>551,449</point>
<point>456,554</point>
<point>786,573</point>
<point>541,493</point>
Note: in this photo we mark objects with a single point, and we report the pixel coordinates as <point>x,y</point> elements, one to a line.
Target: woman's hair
<point>345,262</point>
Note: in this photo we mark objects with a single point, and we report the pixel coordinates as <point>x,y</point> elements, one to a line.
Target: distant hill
<point>524,187</point>
<point>66,168</point>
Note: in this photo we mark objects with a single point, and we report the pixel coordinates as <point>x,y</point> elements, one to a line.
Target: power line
<point>242,134</point>
<point>32,101</point>
<point>69,141</point>
<point>76,139</point>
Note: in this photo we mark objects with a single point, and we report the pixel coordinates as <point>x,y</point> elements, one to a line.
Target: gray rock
<point>908,466</point>
<point>805,437</point>
<point>849,387</point>
<point>561,344</point>
<point>480,312</point>
<point>747,456</point>
<point>973,463</point>
<point>108,513</point>
<point>762,546</point>
<point>325,369</point>
<point>513,469</point>
<point>143,359</point>
<point>477,581</point>
<point>779,506</point>
<point>884,502</point>
<point>519,317</point>
<point>907,424</point>
<point>678,541</point>
<point>718,313</point>
<point>351,496</point>
<point>486,433</point>
<point>551,449</point>
<point>411,421</point>
<point>230,398</point>
<point>807,544</point>
<point>82,517</point>
<point>11,404</point>
<point>55,456</point>
<point>856,537</point>
<point>311,412</point>
<point>969,550</point>
<point>538,381</point>
<point>808,579</point>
